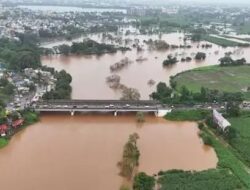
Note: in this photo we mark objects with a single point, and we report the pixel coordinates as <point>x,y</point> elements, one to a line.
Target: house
<point>220,121</point>
<point>3,129</point>
<point>17,123</point>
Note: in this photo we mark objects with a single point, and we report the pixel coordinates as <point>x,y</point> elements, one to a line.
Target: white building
<point>220,120</point>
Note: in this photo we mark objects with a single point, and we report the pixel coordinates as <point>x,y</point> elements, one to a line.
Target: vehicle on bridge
<point>115,106</point>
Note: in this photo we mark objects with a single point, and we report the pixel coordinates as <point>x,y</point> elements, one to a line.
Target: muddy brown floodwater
<point>81,152</point>
<point>90,71</point>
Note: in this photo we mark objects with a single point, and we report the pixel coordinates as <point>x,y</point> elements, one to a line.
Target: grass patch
<point>30,117</point>
<point>3,142</point>
<point>228,79</point>
<point>187,115</point>
<point>227,159</point>
<point>221,179</point>
<point>241,142</point>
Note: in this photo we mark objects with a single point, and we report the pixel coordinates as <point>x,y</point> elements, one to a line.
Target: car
<point>147,106</point>
<point>85,106</point>
<point>65,106</point>
<point>106,106</point>
<point>111,105</point>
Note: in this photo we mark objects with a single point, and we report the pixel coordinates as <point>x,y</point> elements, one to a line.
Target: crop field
<point>242,140</point>
<point>228,79</point>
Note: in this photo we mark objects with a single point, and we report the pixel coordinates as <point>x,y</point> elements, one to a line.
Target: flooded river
<point>90,71</point>
<point>81,152</point>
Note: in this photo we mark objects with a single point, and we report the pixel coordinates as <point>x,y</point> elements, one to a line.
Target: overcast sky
<point>199,1</point>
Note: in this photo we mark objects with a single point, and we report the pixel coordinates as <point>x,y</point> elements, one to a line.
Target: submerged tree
<point>200,56</point>
<point>130,94</point>
<point>140,117</point>
<point>130,158</point>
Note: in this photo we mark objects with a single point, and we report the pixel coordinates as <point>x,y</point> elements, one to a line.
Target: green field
<point>228,79</point>
<point>187,115</point>
<point>3,142</point>
<point>227,159</point>
<point>241,142</point>
<point>221,179</point>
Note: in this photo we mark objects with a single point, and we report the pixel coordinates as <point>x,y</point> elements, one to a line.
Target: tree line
<point>85,47</point>
<point>18,55</point>
<point>62,87</point>
<point>167,94</point>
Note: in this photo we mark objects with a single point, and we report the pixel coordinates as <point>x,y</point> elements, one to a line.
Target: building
<point>17,123</point>
<point>220,121</point>
<point>3,129</point>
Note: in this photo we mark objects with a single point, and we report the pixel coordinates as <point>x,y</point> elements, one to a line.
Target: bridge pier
<point>72,113</point>
<point>115,113</point>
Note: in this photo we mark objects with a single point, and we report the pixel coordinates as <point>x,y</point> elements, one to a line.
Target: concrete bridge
<point>114,106</point>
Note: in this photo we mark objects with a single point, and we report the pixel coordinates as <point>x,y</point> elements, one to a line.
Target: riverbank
<point>77,143</point>
<point>230,169</point>
<point>29,118</point>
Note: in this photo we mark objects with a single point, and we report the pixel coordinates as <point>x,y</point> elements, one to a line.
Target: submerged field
<point>228,79</point>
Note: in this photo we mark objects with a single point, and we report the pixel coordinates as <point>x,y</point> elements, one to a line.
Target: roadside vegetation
<point>187,115</point>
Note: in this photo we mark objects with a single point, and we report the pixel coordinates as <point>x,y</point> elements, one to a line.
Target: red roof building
<point>3,128</point>
<point>17,123</point>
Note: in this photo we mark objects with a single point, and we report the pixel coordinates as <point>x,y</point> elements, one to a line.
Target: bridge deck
<point>98,102</point>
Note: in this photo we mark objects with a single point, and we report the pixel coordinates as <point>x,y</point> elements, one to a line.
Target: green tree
<point>170,61</point>
<point>130,158</point>
<point>172,82</point>
<point>143,182</point>
<point>233,109</point>
<point>200,56</point>
<point>64,49</point>
<point>185,93</point>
